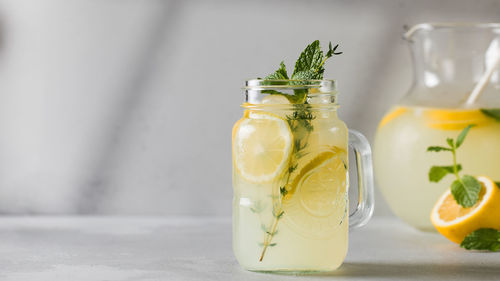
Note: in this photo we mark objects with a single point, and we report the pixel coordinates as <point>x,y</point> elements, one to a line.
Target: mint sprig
<point>309,66</point>
<point>482,239</point>
<point>465,189</point>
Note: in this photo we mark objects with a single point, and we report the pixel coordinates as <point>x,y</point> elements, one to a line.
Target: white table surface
<point>186,249</point>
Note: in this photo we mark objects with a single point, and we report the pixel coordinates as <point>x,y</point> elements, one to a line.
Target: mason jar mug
<point>291,178</point>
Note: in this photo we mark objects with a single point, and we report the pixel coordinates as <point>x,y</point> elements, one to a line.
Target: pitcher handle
<point>363,156</point>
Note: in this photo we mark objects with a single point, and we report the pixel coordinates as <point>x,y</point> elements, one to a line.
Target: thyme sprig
<point>300,122</point>
<point>310,65</point>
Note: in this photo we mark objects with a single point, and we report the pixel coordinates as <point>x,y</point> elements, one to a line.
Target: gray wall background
<point>126,107</point>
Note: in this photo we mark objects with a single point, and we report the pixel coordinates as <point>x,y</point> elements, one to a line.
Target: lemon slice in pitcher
<point>392,115</point>
<point>262,144</point>
<point>454,119</point>
<point>316,203</point>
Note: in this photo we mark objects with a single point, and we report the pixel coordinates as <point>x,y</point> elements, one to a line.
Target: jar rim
<point>290,107</point>
<point>262,84</point>
<point>427,26</point>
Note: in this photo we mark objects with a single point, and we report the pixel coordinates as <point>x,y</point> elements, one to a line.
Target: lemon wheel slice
<point>454,119</point>
<point>262,144</point>
<point>316,204</point>
<point>397,112</point>
<point>455,222</point>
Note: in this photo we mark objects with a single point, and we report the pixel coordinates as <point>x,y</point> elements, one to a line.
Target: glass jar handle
<point>363,156</point>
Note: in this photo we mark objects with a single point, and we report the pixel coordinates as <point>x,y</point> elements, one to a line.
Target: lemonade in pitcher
<point>456,84</point>
<point>402,163</point>
<point>290,172</point>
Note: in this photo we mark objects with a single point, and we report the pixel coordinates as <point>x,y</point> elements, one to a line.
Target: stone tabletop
<point>188,249</point>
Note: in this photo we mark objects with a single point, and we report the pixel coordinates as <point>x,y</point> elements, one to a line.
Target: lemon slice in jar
<point>316,203</point>
<point>262,144</point>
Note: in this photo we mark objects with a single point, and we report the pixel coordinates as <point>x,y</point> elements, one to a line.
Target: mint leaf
<point>450,142</point>
<point>438,148</point>
<point>436,173</point>
<point>307,75</point>
<point>498,184</point>
<point>466,191</point>
<point>309,66</point>
<point>492,112</point>
<point>309,59</point>
<point>279,74</point>
<point>482,239</point>
<point>462,135</point>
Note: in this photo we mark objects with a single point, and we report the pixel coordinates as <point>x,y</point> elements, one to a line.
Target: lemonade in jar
<point>449,62</point>
<point>290,172</point>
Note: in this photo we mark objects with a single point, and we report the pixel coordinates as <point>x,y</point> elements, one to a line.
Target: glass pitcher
<point>449,61</point>
<point>290,178</point>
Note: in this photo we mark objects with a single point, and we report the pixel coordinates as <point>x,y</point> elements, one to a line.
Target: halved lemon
<point>262,144</point>
<point>454,119</point>
<point>316,203</point>
<point>455,222</point>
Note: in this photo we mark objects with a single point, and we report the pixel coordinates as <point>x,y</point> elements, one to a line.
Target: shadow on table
<point>417,271</point>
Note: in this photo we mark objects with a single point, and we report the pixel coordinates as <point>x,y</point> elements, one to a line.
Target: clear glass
<point>449,59</point>
<point>291,179</point>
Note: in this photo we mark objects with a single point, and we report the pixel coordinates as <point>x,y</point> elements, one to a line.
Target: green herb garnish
<point>279,74</point>
<point>482,239</point>
<point>464,189</point>
<point>309,66</point>
<point>492,112</point>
